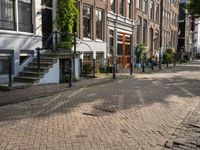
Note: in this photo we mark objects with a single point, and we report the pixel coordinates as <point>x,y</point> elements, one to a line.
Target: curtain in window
<point>7,19</point>
<point>25,15</point>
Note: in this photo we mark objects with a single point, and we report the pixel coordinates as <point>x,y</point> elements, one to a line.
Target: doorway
<point>124,50</point>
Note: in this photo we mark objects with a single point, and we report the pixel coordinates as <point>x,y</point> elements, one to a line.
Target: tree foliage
<point>66,15</point>
<point>193,7</point>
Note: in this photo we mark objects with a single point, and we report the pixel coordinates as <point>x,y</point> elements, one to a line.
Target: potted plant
<point>64,47</point>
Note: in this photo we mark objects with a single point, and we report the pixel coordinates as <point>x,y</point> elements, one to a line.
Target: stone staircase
<point>31,74</point>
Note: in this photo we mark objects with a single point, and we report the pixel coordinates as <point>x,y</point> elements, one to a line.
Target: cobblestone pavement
<point>149,111</point>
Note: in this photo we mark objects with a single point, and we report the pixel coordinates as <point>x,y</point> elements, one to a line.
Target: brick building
<point>120,32</point>
<point>148,24</point>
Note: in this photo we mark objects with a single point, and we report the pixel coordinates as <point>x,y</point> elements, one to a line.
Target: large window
<point>145,32</point>
<point>24,13</point>
<point>139,29</point>
<point>122,7</point>
<point>87,22</point>
<point>145,6</point>
<point>152,10</point>
<point>112,5</point>
<point>139,4</point>
<point>129,9</point>
<point>157,13</point>
<point>7,18</point>
<point>99,24</point>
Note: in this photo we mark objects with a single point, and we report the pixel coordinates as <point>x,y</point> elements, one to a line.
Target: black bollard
<point>131,69</point>
<point>152,65</point>
<point>107,66</point>
<point>143,70</point>
<point>70,77</point>
<point>113,69</point>
<point>174,63</point>
<point>10,72</point>
<point>94,67</point>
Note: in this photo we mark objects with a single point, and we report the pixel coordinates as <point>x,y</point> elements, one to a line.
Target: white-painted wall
<point>16,40</point>
<point>91,46</point>
<point>52,76</point>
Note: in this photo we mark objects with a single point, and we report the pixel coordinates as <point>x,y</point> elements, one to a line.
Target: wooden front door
<point>124,50</point>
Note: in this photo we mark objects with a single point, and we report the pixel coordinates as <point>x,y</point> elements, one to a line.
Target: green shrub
<point>168,55</point>
<point>87,68</point>
<point>140,53</point>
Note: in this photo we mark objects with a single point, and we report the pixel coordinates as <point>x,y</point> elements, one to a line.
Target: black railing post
<point>94,67</point>
<point>70,73</point>
<point>81,68</point>
<point>56,41</point>
<point>131,68</point>
<point>167,64</point>
<point>108,66</point>
<point>38,58</point>
<point>10,72</point>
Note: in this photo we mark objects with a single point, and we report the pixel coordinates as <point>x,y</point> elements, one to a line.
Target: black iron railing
<point>56,36</point>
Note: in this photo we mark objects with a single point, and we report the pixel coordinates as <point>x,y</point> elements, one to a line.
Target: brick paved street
<point>148,111</point>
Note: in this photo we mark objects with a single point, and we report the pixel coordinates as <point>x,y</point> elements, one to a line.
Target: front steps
<point>31,74</point>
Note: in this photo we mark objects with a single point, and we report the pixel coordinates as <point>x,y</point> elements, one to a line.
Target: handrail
<point>38,49</point>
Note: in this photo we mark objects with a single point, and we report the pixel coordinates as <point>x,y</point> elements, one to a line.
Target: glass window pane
<point>7,17</point>
<point>25,17</point>
<point>87,21</point>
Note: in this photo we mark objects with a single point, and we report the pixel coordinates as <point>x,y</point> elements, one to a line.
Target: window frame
<point>30,30</point>
<point>13,19</point>
<point>91,21</point>
<point>102,23</point>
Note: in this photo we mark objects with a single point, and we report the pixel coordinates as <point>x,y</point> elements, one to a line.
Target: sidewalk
<point>28,93</point>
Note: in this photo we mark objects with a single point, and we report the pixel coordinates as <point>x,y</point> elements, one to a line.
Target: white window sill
<point>87,39</point>
<point>16,32</point>
<point>98,40</point>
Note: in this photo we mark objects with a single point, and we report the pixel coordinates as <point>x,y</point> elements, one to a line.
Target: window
<point>152,10</point>
<point>145,32</point>
<point>139,29</point>
<point>121,7</point>
<point>99,24</point>
<point>24,15</point>
<point>4,65</point>
<point>99,57</point>
<point>111,41</point>
<point>87,57</point>
<point>157,13</point>
<point>139,4</point>
<point>145,7</point>
<point>87,22</point>
<point>7,17</point>
<point>47,3</point>
<point>112,5</point>
<point>129,9</point>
